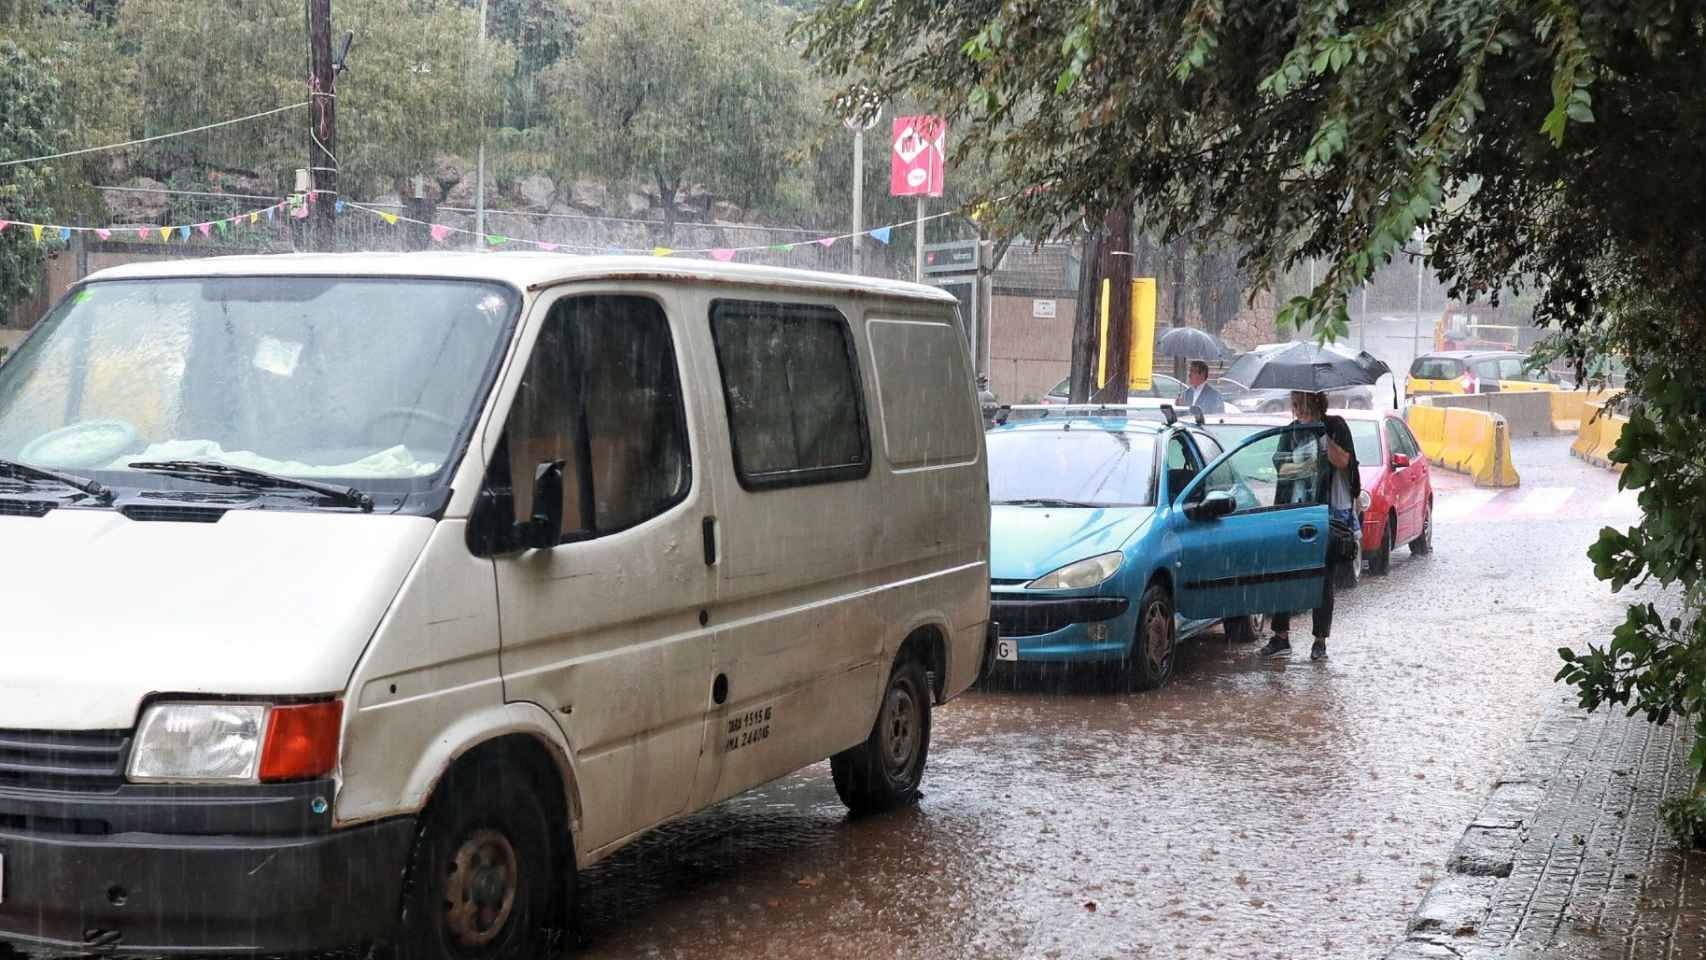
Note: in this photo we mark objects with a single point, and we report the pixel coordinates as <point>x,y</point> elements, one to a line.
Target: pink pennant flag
<point>4,224</point>
<point>722,253</point>
<point>144,232</point>
<point>103,233</point>
<point>311,194</point>
<point>301,212</point>
<point>826,242</point>
<point>439,231</point>
<point>548,247</point>
<point>205,228</point>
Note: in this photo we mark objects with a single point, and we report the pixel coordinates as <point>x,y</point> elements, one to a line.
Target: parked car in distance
<point>1113,538</point>
<point>1395,479</point>
<point>1468,371</point>
<point>1161,387</point>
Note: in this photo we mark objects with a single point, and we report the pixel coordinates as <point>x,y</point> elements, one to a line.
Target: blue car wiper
<point>23,471</point>
<point>1043,502</point>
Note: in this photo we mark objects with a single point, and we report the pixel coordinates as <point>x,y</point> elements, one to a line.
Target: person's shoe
<point>1277,647</point>
<point>1318,651</point>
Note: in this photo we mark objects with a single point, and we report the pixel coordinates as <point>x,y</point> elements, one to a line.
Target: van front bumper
<point>159,893</point>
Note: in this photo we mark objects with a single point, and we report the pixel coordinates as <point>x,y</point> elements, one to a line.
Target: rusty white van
<point>364,598</point>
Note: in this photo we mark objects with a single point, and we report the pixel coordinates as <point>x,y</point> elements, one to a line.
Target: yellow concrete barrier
<point>1428,424</point>
<point>1569,407</point>
<point>1468,441</point>
<point>1597,436</point>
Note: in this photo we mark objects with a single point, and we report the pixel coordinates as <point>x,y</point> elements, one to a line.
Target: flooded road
<point>1250,809</point>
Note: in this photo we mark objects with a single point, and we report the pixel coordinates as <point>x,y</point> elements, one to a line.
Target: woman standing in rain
<point>1330,464</point>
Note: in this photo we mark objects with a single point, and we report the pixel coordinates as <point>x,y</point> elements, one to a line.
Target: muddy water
<point>1250,809</point>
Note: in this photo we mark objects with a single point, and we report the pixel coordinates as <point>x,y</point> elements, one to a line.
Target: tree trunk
<point>1116,267</point>
<point>1085,317</point>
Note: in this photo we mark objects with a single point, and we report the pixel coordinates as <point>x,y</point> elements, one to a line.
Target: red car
<point>1400,490</point>
<point>1394,476</point>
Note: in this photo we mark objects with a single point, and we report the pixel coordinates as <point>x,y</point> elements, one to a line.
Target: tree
<point>1546,146</point>
<point>30,126</point>
<point>684,93</point>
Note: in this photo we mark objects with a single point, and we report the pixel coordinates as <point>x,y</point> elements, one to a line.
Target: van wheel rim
<point>1158,639</point>
<point>900,729</point>
<point>480,891</point>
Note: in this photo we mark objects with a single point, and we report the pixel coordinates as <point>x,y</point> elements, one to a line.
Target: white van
<point>361,598</point>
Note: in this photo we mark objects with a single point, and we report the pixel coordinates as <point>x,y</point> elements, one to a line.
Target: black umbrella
<point>1305,366</point>
<point>1188,342</point>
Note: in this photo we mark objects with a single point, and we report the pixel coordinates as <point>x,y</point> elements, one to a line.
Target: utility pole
<point>1116,270</point>
<point>858,195</point>
<point>1421,259</point>
<point>322,127</point>
<point>480,163</point>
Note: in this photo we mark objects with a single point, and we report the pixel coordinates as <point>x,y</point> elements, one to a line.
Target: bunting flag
<point>722,253</point>
<point>65,234</point>
<point>780,247</point>
<point>165,233</point>
<point>4,224</point>
<point>300,213</point>
<point>496,240</point>
<point>205,228</point>
<point>104,233</point>
<point>548,247</point>
<point>881,234</point>
<point>390,218</point>
<point>439,231</point>
<point>662,252</point>
<point>256,216</point>
<point>339,207</point>
<point>35,228</point>
<point>270,212</point>
<point>826,242</point>
<point>184,232</point>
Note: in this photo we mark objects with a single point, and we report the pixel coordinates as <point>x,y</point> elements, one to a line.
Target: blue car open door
<point>1252,528</point>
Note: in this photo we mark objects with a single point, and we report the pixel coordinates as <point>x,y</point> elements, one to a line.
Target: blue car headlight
<point>1081,574</point>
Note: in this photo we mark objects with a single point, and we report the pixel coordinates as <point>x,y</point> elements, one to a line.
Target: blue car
<point>1113,538</point>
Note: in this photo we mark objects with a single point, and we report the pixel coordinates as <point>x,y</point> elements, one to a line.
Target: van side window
<point>791,382</point>
<point>601,393</point>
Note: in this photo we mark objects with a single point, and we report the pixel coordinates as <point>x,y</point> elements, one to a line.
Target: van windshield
<point>368,380</point>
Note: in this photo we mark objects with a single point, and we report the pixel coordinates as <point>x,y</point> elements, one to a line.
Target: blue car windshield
<point>1072,467</point>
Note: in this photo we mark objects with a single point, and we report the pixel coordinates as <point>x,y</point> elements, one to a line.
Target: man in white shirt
<point>1199,393</point>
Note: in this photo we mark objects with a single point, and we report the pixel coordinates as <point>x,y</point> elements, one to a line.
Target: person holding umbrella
<point>1329,465</point>
<point>1199,393</point>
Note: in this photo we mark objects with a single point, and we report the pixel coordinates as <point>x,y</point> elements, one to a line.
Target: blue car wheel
<point>1150,662</point>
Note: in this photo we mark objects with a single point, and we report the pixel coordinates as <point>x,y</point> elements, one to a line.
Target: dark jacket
<point>1211,401</point>
<point>1340,432</point>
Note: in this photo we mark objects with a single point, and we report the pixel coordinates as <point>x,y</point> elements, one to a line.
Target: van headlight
<point>236,742</point>
<point>179,742</point>
<point>1081,574</point>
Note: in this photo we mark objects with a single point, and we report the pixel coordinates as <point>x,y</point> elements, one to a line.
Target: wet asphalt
<point>1249,809</point>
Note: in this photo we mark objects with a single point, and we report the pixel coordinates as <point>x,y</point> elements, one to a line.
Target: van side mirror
<point>544,529</point>
<point>1217,504</point>
<point>1400,461</point>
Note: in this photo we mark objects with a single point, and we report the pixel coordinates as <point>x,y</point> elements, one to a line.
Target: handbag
<point>1342,537</point>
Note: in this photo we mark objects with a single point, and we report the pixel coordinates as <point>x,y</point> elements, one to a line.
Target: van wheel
<point>484,875</point>
<point>1150,662</point>
<point>884,772</point>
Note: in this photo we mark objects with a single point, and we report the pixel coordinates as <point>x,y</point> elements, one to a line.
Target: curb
<point>1450,921</point>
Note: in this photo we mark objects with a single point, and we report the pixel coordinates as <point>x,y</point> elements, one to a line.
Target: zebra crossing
<point>1536,503</point>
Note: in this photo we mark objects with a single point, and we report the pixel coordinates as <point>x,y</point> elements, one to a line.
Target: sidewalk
<point>1569,858</point>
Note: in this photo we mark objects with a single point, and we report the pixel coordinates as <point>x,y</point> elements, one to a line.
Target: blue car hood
<point>1027,542</point>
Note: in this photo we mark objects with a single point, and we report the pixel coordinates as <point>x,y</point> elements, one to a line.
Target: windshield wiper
<point>209,471</point>
<point>1043,502</point>
<point>23,471</point>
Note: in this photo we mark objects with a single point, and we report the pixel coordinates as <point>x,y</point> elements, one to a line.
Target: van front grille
<point>91,761</point>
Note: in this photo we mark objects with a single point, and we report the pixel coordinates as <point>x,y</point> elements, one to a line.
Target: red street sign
<point>916,155</point>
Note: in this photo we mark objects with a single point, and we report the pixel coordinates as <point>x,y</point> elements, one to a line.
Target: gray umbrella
<point>1189,343</point>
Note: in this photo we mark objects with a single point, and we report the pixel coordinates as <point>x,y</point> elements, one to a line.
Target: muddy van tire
<point>485,878</point>
<point>884,772</point>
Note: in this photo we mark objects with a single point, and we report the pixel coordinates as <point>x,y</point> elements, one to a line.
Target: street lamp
<point>860,108</point>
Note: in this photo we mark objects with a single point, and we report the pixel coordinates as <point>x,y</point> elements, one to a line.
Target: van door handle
<point>1307,532</point>
<point>709,528</point>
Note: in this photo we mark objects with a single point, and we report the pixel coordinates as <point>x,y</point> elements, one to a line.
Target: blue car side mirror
<point>1218,504</point>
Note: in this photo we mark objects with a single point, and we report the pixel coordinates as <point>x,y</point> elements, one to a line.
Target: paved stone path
<point>1569,857</point>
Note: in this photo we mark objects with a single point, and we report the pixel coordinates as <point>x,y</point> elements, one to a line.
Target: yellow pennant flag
<point>390,218</point>
<point>661,251</point>
<point>255,217</point>
<point>35,228</point>
<point>165,232</point>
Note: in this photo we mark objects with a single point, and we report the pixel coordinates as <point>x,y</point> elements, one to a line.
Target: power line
<point>163,136</point>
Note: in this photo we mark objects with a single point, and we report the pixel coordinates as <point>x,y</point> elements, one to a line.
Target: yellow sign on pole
<point>1142,365</point>
<point>1142,361</point>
